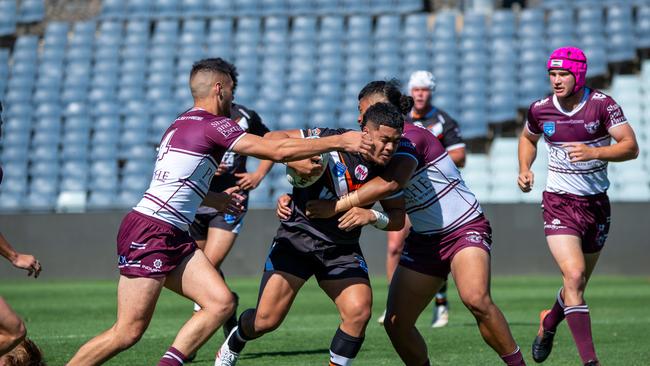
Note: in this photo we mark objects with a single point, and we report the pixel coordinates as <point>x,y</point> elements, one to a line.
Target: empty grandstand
<point>87,101</point>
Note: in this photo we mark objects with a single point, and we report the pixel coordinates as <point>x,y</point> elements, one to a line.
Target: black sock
<point>344,348</point>
<point>238,340</point>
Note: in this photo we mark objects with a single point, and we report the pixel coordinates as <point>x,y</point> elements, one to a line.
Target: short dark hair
<point>216,64</point>
<point>25,353</point>
<point>390,90</point>
<point>384,114</point>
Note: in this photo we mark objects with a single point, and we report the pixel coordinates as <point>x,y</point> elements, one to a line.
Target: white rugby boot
<point>225,356</point>
<point>440,316</point>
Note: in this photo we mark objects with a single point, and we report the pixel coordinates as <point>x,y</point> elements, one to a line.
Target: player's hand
<point>283,210</point>
<point>248,181</point>
<point>525,181</point>
<point>28,263</point>
<point>229,201</point>
<point>307,167</point>
<point>356,217</point>
<point>580,152</point>
<point>357,142</point>
<point>320,209</point>
<point>221,169</point>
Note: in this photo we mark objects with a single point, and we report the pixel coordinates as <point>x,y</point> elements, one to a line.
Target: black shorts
<point>219,220</point>
<point>325,260</point>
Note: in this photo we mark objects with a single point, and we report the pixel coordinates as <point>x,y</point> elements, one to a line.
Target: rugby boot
<point>593,363</point>
<point>226,356</point>
<point>440,316</point>
<point>543,343</point>
<point>381,318</point>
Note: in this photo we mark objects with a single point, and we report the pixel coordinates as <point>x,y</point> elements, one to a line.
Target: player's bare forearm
<point>6,250</point>
<point>625,149</point>
<point>395,177</point>
<point>264,168</point>
<point>396,212</point>
<point>527,150</point>
<point>458,156</point>
<point>290,149</point>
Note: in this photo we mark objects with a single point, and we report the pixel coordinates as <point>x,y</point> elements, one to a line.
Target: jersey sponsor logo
<point>549,128</point>
<point>592,127</point>
<point>229,219</point>
<point>599,96</point>
<point>121,260</point>
<point>226,129</point>
<point>556,62</point>
<point>554,225</point>
<point>541,102</point>
<point>361,172</point>
<point>194,118</point>
<point>613,107</point>
<point>340,169</point>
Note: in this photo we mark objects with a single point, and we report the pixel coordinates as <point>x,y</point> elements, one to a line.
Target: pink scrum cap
<point>571,59</point>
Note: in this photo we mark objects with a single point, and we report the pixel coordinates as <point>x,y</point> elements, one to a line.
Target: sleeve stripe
<point>618,124</point>
<point>236,141</point>
<point>456,146</point>
<point>531,132</point>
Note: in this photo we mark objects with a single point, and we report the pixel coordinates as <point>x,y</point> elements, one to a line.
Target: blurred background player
<point>327,249</point>
<point>215,232</point>
<point>12,328</point>
<point>154,246</point>
<point>421,86</point>
<point>577,124</point>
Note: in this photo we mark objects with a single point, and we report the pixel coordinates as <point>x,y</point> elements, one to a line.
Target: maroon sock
<point>172,357</point>
<point>580,324</point>
<point>514,359</point>
<point>556,315</point>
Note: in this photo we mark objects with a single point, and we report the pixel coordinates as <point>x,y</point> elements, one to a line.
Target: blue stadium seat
<point>31,11</point>
<point>303,28</point>
<point>331,28</point>
<point>75,169</point>
<point>140,8</point>
<point>8,16</point>
<point>642,27</point>
<point>40,201</point>
<point>388,27</point>
<point>359,27</point>
<point>73,184</point>
<point>102,200</point>
<point>48,124</point>
<point>166,8</point>
<point>113,8</point>
<point>192,8</point>
<point>319,7</point>
<point>49,170</point>
<point>621,47</point>
<point>74,152</point>
<point>44,153</point>
<point>220,7</point>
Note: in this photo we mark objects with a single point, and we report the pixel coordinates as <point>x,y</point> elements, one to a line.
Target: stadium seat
<point>31,11</point>
<point>8,17</point>
<point>39,201</point>
<point>102,200</point>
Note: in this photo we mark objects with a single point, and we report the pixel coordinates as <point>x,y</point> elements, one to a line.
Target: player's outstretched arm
<point>289,149</point>
<point>391,219</point>
<point>526,151</point>
<point>395,177</point>
<point>19,260</point>
<point>626,147</point>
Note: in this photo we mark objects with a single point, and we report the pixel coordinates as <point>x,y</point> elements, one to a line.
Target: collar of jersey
<point>577,109</point>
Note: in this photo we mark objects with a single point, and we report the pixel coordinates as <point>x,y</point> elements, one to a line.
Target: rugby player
<point>421,86</point>
<point>449,233</point>
<point>215,232</point>
<point>154,246</point>
<point>327,249</point>
<point>577,124</point>
<point>12,328</point>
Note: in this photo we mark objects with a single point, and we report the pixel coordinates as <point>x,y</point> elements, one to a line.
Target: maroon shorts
<point>432,254</point>
<point>149,247</point>
<point>587,217</point>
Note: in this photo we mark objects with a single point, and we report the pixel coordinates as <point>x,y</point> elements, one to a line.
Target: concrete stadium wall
<point>77,246</point>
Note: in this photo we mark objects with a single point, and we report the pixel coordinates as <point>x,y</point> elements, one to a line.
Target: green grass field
<point>60,316</point>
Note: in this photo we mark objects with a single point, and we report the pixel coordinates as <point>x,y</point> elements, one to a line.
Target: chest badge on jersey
<point>592,127</point>
<point>549,128</point>
<point>361,172</point>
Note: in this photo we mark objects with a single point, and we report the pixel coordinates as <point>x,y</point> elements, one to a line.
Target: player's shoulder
<point>540,104</point>
<point>444,117</point>
<point>599,97</point>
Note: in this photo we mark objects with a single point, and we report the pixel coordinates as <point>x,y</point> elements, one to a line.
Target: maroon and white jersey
<point>188,156</point>
<point>589,123</point>
<point>436,197</point>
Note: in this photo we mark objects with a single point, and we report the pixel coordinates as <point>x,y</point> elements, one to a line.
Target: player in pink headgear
<point>573,60</point>
<point>577,124</point>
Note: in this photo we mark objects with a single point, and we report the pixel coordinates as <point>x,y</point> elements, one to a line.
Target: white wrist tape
<point>382,220</point>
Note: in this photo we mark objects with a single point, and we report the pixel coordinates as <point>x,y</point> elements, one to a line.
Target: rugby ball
<point>302,182</point>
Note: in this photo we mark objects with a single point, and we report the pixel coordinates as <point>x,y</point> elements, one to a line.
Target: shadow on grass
<point>254,355</point>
